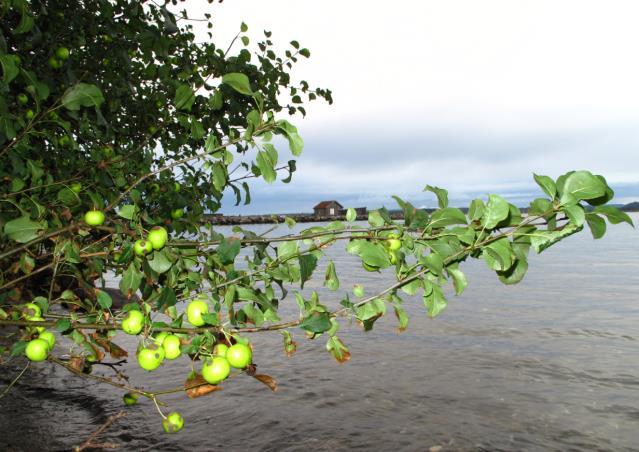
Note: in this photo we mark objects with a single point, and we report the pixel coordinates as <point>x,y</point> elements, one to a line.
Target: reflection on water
<point>551,363</point>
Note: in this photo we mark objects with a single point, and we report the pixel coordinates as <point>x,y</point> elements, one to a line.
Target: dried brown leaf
<point>197,387</point>
<point>267,380</point>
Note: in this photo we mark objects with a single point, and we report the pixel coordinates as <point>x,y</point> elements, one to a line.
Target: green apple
<point>171,345</point>
<point>62,53</point>
<point>220,349</point>
<point>29,114</point>
<point>76,187</point>
<point>54,63</point>
<point>177,214</point>
<point>159,338</point>
<point>176,186</point>
<point>37,350</point>
<point>130,398</point>
<point>133,322</point>
<point>173,423</point>
<point>142,247</point>
<point>239,355</point>
<point>23,98</point>
<point>358,290</point>
<point>31,310</point>
<point>94,218</point>
<point>38,329</point>
<point>64,140</point>
<point>216,369</point>
<point>195,310</point>
<point>157,237</point>
<point>49,337</point>
<point>392,257</point>
<point>150,358</point>
<point>394,244</point>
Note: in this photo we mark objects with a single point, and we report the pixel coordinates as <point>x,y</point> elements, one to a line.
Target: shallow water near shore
<point>549,364</point>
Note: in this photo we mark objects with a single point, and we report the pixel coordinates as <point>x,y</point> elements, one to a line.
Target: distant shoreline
<point>220,219</point>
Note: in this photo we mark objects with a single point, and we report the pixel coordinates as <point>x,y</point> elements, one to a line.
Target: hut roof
<point>325,204</point>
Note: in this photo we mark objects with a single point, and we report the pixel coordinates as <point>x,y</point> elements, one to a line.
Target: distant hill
<point>631,207</point>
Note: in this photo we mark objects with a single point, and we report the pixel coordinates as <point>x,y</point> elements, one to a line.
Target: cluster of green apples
<point>165,346</point>
<point>393,244</point>
<point>155,240</point>
<point>218,367</point>
<point>60,56</point>
<point>37,349</point>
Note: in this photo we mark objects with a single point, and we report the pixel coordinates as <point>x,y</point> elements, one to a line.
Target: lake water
<point>549,364</point>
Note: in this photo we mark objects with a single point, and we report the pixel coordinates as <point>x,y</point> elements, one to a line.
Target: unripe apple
<point>173,422</point>
<point>157,237</point>
<point>31,310</point>
<point>159,338</point>
<point>195,310</point>
<point>394,244</point>
<point>54,63</point>
<point>49,337</point>
<point>142,247</point>
<point>62,53</point>
<point>23,98</point>
<point>133,322</point>
<point>76,187</point>
<point>358,290</point>
<point>38,329</point>
<point>171,345</point>
<point>29,114</point>
<point>177,214</point>
<point>150,358</point>
<point>37,350</point>
<point>220,349</point>
<point>239,355</point>
<point>94,218</point>
<point>130,398</point>
<point>216,369</point>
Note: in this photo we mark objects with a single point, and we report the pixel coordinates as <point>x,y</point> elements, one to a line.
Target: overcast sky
<point>473,96</point>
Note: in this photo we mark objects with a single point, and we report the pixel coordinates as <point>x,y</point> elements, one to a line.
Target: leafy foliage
<point>136,119</point>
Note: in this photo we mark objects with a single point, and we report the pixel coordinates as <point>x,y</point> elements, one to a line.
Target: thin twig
<point>90,444</point>
<point>15,380</point>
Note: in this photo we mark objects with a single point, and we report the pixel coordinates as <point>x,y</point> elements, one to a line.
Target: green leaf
<point>499,255</point>
<point>541,240</point>
<point>228,250</point>
<point>375,219</point>
<point>82,95</point>
<point>575,214</point>
<point>371,310</point>
<point>330,279</point>
<point>583,185</point>
<point>446,217</point>
<point>497,210</point>
<point>243,28</point>
<point>131,280</point>
<point>434,263</point>
<point>337,349</point>
<point>435,301</point>
<point>210,144</point>
<point>516,272</point>
<point>159,261</point>
<point>127,211</point>
<point>459,279</point>
<point>547,185</point>
<point>166,299</point>
<point>287,249</point>
<point>63,325</point>
<point>18,348</point>
<point>317,322</point>
<point>184,98</point>
<point>9,68</point>
<point>219,176</point>
<point>308,262</point>
<point>266,166</point>
<point>104,299</point>
<point>614,215</point>
<point>23,229</point>
<point>239,82</point>
<point>295,142</point>
<point>476,209</point>
<point>351,215</point>
<point>442,195</point>
<point>402,317</point>
<point>596,224</point>
<point>371,253</point>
